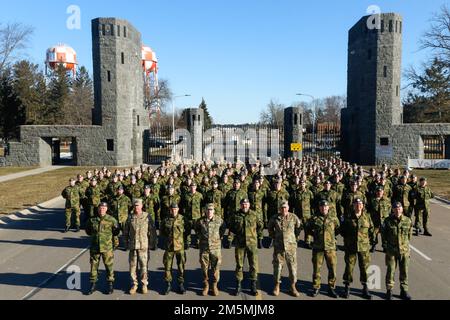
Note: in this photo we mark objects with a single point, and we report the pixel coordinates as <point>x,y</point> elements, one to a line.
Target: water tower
<point>61,55</point>
<point>151,85</point>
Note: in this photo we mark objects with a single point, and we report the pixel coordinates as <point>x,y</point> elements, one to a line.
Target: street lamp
<point>173,121</point>
<point>314,119</point>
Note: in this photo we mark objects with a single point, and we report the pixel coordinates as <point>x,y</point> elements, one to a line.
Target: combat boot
<point>389,294</point>
<point>182,288</point>
<point>270,244</point>
<point>67,229</point>
<point>168,288</point>
<point>276,290</point>
<point>332,292</point>
<point>92,289</point>
<point>315,292</point>
<point>238,288</point>
<point>405,295</point>
<point>372,249</point>
<point>346,294</point>
<point>110,288</point>
<point>427,233</point>
<point>215,289</point>
<point>254,289</point>
<point>144,289</point>
<point>366,293</point>
<point>205,288</point>
<point>294,291</point>
<point>259,244</point>
<point>133,290</point>
<point>77,230</point>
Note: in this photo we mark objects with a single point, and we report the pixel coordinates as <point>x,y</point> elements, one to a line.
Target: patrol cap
<point>72,180</point>
<point>423,179</point>
<point>174,206</point>
<point>210,206</point>
<point>245,201</point>
<point>284,204</point>
<point>147,187</point>
<point>237,181</point>
<point>137,202</point>
<point>120,188</point>
<point>94,179</point>
<point>397,205</point>
<point>327,182</point>
<point>193,184</point>
<point>357,200</point>
<point>104,204</point>
<point>323,203</point>
<point>379,188</point>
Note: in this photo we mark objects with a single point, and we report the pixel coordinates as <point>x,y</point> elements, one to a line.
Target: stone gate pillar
<point>293,131</point>
<point>195,121</point>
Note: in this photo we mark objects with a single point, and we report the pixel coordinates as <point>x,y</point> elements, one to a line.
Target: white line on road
<point>41,286</point>
<point>423,255</point>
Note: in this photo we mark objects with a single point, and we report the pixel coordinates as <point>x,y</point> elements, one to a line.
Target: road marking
<point>44,283</point>
<point>423,255</point>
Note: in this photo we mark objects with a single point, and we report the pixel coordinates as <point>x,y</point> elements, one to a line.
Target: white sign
<point>429,164</point>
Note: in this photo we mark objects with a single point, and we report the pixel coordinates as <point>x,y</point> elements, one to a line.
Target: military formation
<point>308,202</point>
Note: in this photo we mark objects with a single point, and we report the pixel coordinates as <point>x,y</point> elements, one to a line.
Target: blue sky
<point>236,54</point>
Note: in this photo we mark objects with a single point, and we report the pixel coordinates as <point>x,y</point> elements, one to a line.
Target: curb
<point>19,215</point>
<point>442,200</point>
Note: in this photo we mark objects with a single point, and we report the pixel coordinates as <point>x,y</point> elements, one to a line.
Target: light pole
<point>173,121</point>
<point>314,119</point>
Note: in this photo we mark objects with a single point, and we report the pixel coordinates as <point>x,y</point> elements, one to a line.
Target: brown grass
<point>438,181</point>
<point>19,194</point>
<point>10,170</point>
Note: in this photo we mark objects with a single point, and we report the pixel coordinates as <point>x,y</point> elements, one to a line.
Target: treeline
<point>29,97</point>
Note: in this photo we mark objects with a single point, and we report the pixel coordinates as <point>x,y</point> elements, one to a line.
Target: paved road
<point>35,256</point>
<point>28,173</point>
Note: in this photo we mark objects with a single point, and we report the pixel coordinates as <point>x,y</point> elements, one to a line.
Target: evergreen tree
<point>59,90</point>
<point>208,123</point>
<point>11,113</point>
<point>81,99</point>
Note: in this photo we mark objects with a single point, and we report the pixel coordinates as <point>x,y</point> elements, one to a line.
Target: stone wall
<point>293,130</point>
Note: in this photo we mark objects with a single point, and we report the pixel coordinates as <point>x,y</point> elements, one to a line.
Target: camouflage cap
<point>174,206</point>
<point>137,202</point>
<point>245,201</point>
<point>210,206</point>
<point>284,204</point>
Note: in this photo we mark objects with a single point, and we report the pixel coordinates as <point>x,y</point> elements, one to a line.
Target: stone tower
<point>293,130</point>
<point>118,89</point>
<point>374,82</point>
<point>195,121</point>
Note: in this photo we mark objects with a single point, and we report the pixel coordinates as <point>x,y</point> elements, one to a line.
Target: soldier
<point>111,189</point>
<point>139,234</point>
<point>324,229</point>
<point>284,229</point>
<point>151,204</point>
<point>329,196</point>
<point>72,195</point>
<point>379,209</point>
<point>102,229</point>
<point>215,196</point>
<point>134,190</point>
<point>274,200</point>
<point>402,193</point>
<point>172,230</point>
<point>192,211</point>
<point>396,235</point>
<point>245,224</point>
<point>232,206</point>
<point>210,230</point>
<point>357,231</point>
<point>94,196</point>
<point>257,198</point>
<point>83,185</point>
<point>120,206</point>
<point>349,196</point>
<point>422,195</point>
<point>167,201</point>
<point>303,202</point>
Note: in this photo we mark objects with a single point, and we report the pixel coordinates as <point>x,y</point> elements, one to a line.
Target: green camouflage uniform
<point>284,231</point>
<point>192,211</point>
<point>94,196</point>
<point>358,235</point>
<point>111,189</point>
<point>134,191</point>
<point>216,197</point>
<point>151,206</point>
<point>422,197</point>
<point>379,209</point>
<point>246,226</point>
<point>102,230</point>
<point>347,201</point>
<point>172,230</point>
<point>331,197</point>
<point>210,233</point>
<point>324,231</point>
<point>232,204</point>
<point>72,196</point>
<point>396,235</point>
<point>140,235</point>
<point>166,202</point>
<point>402,193</point>
<point>303,202</point>
<point>83,199</point>
<point>257,199</point>
<point>274,201</point>
<point>120,207</point>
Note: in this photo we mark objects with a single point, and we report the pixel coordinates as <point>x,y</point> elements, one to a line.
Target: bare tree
<point>161,98</point>
<point>274,114</point>
<point>14,37</point>
<point>332,108</point>
<point>437,38</point>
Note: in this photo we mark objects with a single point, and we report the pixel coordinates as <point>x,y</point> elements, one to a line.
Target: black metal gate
<point>322,140</point>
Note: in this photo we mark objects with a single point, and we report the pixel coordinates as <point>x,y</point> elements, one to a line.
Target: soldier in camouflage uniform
<point>284,229</point>
<point>102,229</point>
<point>139,234</point>
<point>349,196</point>
<point>303,202</point>
<point>192,211</point>
<point>94,196</point>
<point>379,209</point>
<point>172,231</point>
<point>120,206</point>
<point>324,229</point>
<point>167,201</point>
<point>402,193</point>
<point>111,189</point>
<point>72,196</point>
<point>151,204</point>
<point>274,200</point>
<point>357,231</point>
<point>133,190</point>
<point>210,230</point>
<point>215,196</point>
<point>422,195</point>
<point>329,196</point>
<point>257,201</point>
<point>232,204</point>
<point>83,185</point>
<point>396,235</point>
<point>245,224</point>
